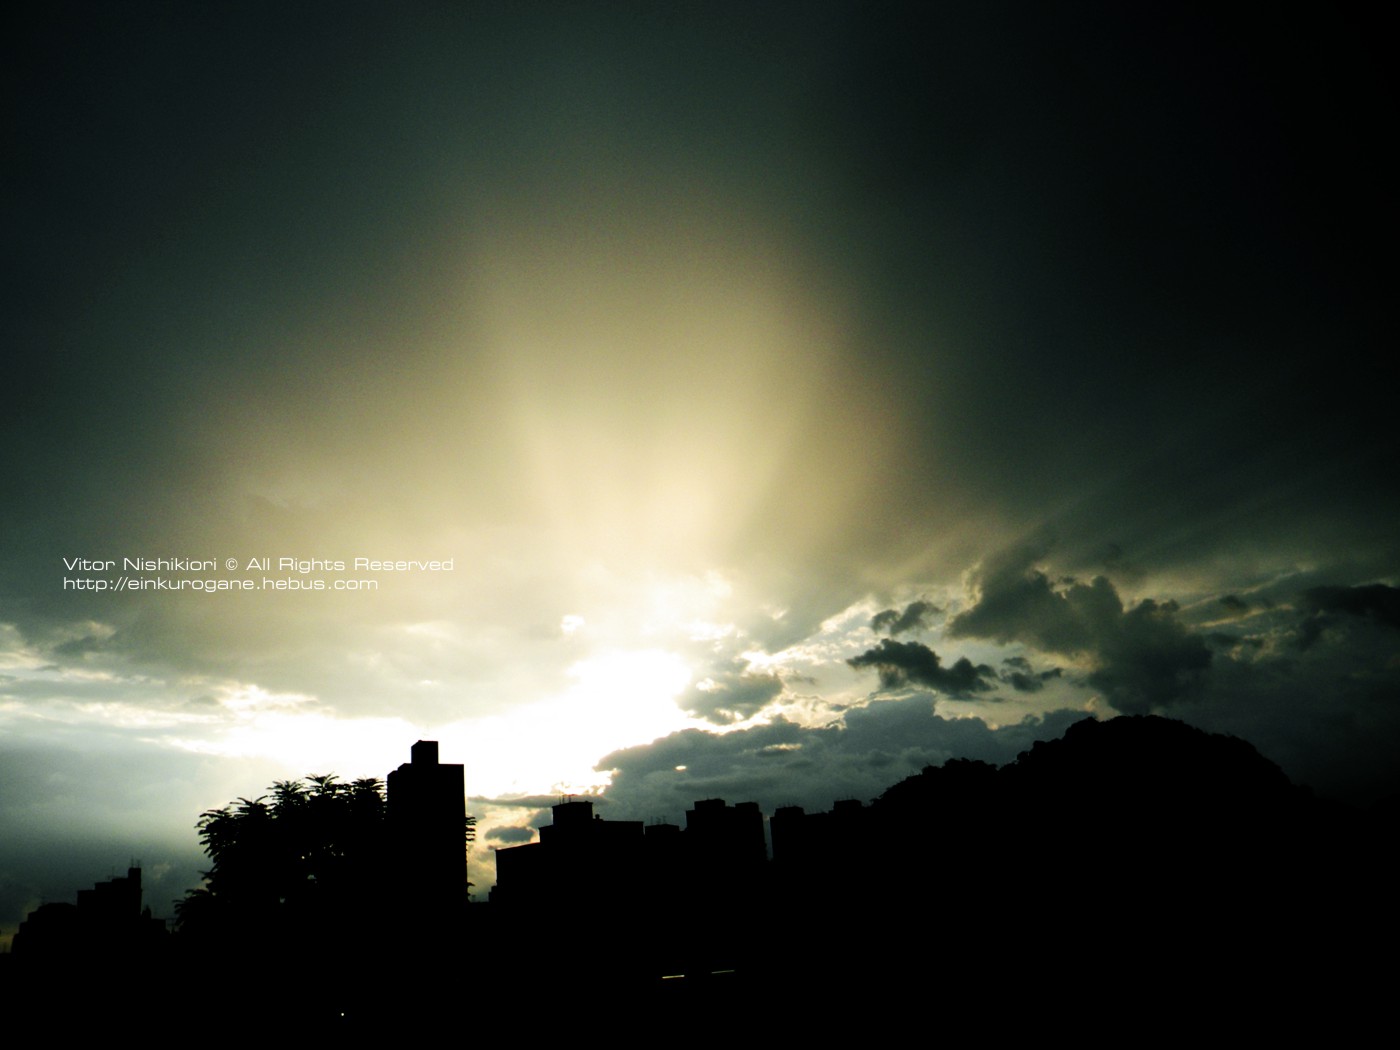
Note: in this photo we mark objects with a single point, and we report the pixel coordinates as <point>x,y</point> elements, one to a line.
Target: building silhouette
<point>720,844</point>
<point>427,813</point>
<point>106,924</point>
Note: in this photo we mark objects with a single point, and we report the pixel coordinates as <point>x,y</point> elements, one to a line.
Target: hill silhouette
<point>1134,873</point>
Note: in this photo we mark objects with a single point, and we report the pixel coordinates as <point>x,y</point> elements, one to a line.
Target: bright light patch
<point>438,631</point>
<point>249,698</point>
<point>701,631</point>
<point>690,602</point>
<point>618,698</point>
<point>310,742</point>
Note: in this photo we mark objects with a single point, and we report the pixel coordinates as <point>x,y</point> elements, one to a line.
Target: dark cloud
<point>1375,601</point>
<point>77,647</point>
<point>1225,642</point>
<point>914,617</point>
<point>1018,603</point>
<point>1024,683</point>
<point>1149,660</point>
<point>1327,711</point>
<point>536,802</point>
<point>1327,607</point>
<point>1142,658</point>
<point>510,835</point>
<point>1017,672</point>
<point>901,663</point>
<point>1314,681</point>
<point>731,694</point>
<point>1234,603</point>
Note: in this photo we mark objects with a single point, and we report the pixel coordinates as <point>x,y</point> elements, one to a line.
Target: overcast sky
<point>800,394</point>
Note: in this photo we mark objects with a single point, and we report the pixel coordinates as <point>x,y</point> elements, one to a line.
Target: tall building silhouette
<point>427,820</point>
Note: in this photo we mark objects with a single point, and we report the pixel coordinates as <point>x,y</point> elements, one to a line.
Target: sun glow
<point>618,698</point>
<point>293,729</point>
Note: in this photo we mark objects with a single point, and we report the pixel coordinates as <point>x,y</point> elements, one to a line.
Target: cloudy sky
<point>794,395</point>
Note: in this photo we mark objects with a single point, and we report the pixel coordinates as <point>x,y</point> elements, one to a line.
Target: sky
<point>761,402</point>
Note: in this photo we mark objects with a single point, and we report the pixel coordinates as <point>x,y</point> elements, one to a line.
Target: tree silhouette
<point>290,866</point>
<point>295,866</point>
<point>315,868</point>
